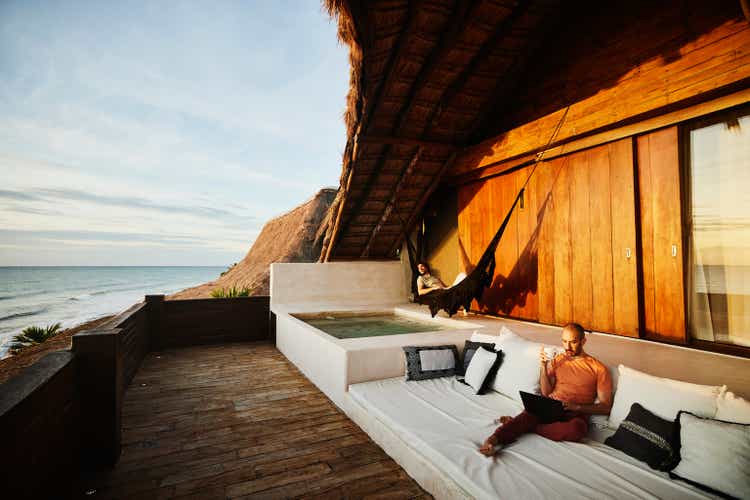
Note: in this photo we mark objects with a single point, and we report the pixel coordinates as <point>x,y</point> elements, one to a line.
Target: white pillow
<point>731,408</point>
<point>519,370</point>
<point>479,367</point>
<point>715,454</point>
<point>663,397</point>
<point>483,337</point>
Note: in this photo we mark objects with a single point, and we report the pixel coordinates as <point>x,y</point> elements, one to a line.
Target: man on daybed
<point>582,383</point>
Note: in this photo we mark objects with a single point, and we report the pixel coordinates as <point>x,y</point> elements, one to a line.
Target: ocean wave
<point>24,294</point>
<point>23,314</point>
<point>80,297</point>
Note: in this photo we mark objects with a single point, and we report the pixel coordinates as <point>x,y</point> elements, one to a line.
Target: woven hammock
<point>471,287</point>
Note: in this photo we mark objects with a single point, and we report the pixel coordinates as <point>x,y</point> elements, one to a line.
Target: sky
<point>162,132</point>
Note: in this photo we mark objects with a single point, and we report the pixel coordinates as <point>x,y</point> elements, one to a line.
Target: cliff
<point>296,236</point>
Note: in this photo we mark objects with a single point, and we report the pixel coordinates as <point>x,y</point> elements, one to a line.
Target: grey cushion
<point>714,455</point>
<point>437,361</point>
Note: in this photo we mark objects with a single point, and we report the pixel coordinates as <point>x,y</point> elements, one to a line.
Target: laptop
<point>547,410</point>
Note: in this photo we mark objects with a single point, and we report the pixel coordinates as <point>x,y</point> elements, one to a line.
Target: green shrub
<point>33,335</point>
<point>230,293</point>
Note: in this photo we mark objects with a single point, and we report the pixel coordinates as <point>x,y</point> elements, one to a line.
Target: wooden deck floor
<point>240,421</point>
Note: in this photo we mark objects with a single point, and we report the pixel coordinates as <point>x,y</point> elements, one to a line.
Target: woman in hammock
<point>426,282</point>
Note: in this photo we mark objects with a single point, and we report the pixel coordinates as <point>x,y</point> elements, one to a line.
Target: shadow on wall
<point>510,292</point>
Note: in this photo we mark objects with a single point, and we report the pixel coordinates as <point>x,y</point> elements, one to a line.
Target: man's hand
<point>571,406</point>
<point>503,420</point>
<point>488,447</point>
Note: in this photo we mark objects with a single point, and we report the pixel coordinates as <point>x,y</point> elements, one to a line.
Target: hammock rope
<point>473,285</point>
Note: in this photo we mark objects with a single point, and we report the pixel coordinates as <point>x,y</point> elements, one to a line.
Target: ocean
<point>41,296</point>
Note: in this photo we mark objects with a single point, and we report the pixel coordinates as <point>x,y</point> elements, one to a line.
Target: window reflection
<point>719,301</point>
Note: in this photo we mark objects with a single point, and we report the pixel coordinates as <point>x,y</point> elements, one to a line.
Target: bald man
<point>573,378</point>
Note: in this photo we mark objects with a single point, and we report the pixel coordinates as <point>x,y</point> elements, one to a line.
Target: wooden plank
<point>495,166</point>
<point>483,213</point>
<point>664,312</point>
<point>561,245</point>
<point>464,196</point>
<point>600,216</point>
<point>646,191</point>
<point>580,239</point>
<point>528,247</point>
<point>200,426</point>
<point>545,217</point>
<point>624,269</point>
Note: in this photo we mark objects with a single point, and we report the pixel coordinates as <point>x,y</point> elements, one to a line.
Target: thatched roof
<point>425,78</point>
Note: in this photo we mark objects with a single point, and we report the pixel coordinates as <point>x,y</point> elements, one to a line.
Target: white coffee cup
<point>552,352</point>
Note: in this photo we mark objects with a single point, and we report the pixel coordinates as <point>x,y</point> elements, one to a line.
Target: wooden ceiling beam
<point>508,81</point>
<point>420,204</point>
<point>403,141</point>
<point>399,52</point>
<point>389,206</point>
<point>367,41</point>
<point>464,12</point>
<point>463,16</point>
<point>501,30</point>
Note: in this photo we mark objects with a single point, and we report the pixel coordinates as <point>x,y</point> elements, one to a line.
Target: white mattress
<point>442,421</point>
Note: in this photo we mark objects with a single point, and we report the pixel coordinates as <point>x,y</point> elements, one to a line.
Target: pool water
<point>348,326</point>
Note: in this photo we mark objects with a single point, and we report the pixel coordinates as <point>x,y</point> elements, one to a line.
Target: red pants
<point>573,428</point>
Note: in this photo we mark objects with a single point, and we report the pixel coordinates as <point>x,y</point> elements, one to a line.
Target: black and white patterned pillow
<point>648,438</point>
<point>426,362</point>
<point>469,349</point>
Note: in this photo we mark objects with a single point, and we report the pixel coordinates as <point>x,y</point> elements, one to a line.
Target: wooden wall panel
<point>581,242</point>
<point>657,55</point>
<point>544,179</point>
<point>624,268</point>
<point>563,256</point>
<point>528,246</point>
<point>659,184</point>
<point>465,223</point>
<point>561,245</point>
<point>602,314</point>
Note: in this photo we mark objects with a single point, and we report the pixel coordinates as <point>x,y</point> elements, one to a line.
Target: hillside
<point>296,236</point>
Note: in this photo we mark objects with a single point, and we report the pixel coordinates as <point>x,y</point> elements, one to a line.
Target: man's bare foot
<point>503,420</point>
<point>489,448</point>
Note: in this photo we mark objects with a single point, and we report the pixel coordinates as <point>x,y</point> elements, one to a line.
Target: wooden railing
<point>63,413</point>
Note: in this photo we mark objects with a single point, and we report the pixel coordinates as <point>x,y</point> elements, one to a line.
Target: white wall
<point>362,284</point>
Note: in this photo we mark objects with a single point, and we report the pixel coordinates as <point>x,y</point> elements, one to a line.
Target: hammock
<point>471,287</point>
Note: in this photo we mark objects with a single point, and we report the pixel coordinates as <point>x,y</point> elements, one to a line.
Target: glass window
<point>719,276</point>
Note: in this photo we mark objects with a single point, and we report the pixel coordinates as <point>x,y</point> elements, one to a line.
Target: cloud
<point>16,237</point>
<point>133,202</point>
<point>179,125</point>
<point>15,195</point>
<point>31,210</point>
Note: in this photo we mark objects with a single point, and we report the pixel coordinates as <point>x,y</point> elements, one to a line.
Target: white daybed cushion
<point>441,421</point>
<point>715,454</point>
<point>519,370</point>
<point>484,338</point>
<point>731,408</point>
<point>663,397</point>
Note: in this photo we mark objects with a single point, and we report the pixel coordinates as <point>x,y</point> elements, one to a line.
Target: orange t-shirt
<point>577,380</point>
